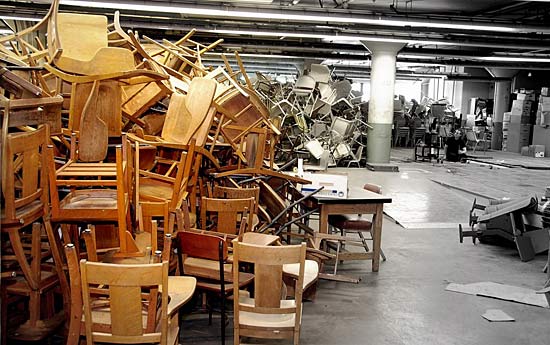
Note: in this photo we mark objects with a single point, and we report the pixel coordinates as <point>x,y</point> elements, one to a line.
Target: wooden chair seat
<point>24,215</point>
<point>94,199</point>
<point>101,317</point>
<point>180,291</point>
<point>209,269</point>
<point>350,222</point>
<point>355,223</point>
<point>311,272</point>
<point>155,190</point>
<point>249,319</point>
<point>48,280</point>
<point>259,238</point>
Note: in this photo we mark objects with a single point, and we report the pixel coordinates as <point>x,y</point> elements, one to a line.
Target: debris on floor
<point>501,291</point>
<point>517,221</point>
<point>497,315</point>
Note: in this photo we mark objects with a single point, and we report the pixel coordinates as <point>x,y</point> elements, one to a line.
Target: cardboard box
<point>544,100</point>
<point>525,96</point>
<point>545,91</point>
<point>523,119</point>
<point>335,185</point>
<point>506,117</point>
<point>521,107</point>
<point>518,136</point>
<point>537,150</point>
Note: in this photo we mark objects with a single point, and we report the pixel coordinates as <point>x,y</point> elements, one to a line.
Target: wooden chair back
<point>127,319</point>
<point>33,111</point>
<point>202,246</point>
<point>78,43</point>
<point>25,175</point>
<point>225,215</point>
<point>238,193</point>
<point>164,181</point>
<point>268,290</point>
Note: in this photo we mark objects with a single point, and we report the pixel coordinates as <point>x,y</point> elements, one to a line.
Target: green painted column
<point>382,86</point>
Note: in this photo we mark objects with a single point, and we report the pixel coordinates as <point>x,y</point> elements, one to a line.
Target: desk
<point>359,201</point>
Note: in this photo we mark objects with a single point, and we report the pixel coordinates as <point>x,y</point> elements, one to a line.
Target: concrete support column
<point>424,89</point>
<point>503,90</point>
<point>382,89</point>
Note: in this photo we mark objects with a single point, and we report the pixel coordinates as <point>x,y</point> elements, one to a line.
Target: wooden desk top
<point>356,195</point>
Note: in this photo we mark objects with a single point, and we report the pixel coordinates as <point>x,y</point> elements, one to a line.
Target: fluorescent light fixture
<point>512,59</point>
<point>27,19</point>
<point>259,56</point>
<point>287,16</point>
<point>325,37</point>
<point>412,56</point>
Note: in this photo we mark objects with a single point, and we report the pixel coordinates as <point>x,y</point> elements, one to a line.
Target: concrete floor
<point>406,302</point>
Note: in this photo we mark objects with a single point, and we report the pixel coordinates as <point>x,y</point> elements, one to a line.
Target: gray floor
<point>406,302</point>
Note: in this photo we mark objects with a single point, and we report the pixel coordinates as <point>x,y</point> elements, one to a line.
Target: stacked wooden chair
<point>25,222</point>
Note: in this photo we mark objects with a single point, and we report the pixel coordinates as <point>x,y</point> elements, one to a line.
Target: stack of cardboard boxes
<point>541,131</point>
<point>543,110</point>
<point>520,122</point>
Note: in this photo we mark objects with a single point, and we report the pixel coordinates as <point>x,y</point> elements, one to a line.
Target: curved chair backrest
<point>24,171</point>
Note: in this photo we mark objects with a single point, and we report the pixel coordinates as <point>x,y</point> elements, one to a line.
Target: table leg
<point>377,237</point>
<point>323,219</point>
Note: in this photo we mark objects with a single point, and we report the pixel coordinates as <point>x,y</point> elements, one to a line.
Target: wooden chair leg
<point>54,241</point>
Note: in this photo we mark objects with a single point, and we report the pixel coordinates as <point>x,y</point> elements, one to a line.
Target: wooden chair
<point>251,152</point>
<point>180,291</point>
<point>241,193</point>
<point>99,192</point>
<point>189,117</point>
<point>78,43</point>
<point>24,205</point>
<point>283,218</point>
<point>268,314</point>
<point>357,223</point>
<point>125,320</point>
<point>162,184</point>
<point>205,257</point>
<point>225,215</point>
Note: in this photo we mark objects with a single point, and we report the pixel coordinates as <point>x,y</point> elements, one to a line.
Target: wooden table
<point>359,201</point>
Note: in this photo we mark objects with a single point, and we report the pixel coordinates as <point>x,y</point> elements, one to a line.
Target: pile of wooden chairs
<point>110,143</point>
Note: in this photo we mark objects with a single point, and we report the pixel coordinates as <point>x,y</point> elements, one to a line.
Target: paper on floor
<point>501,291</point>
<point>497,315</point>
